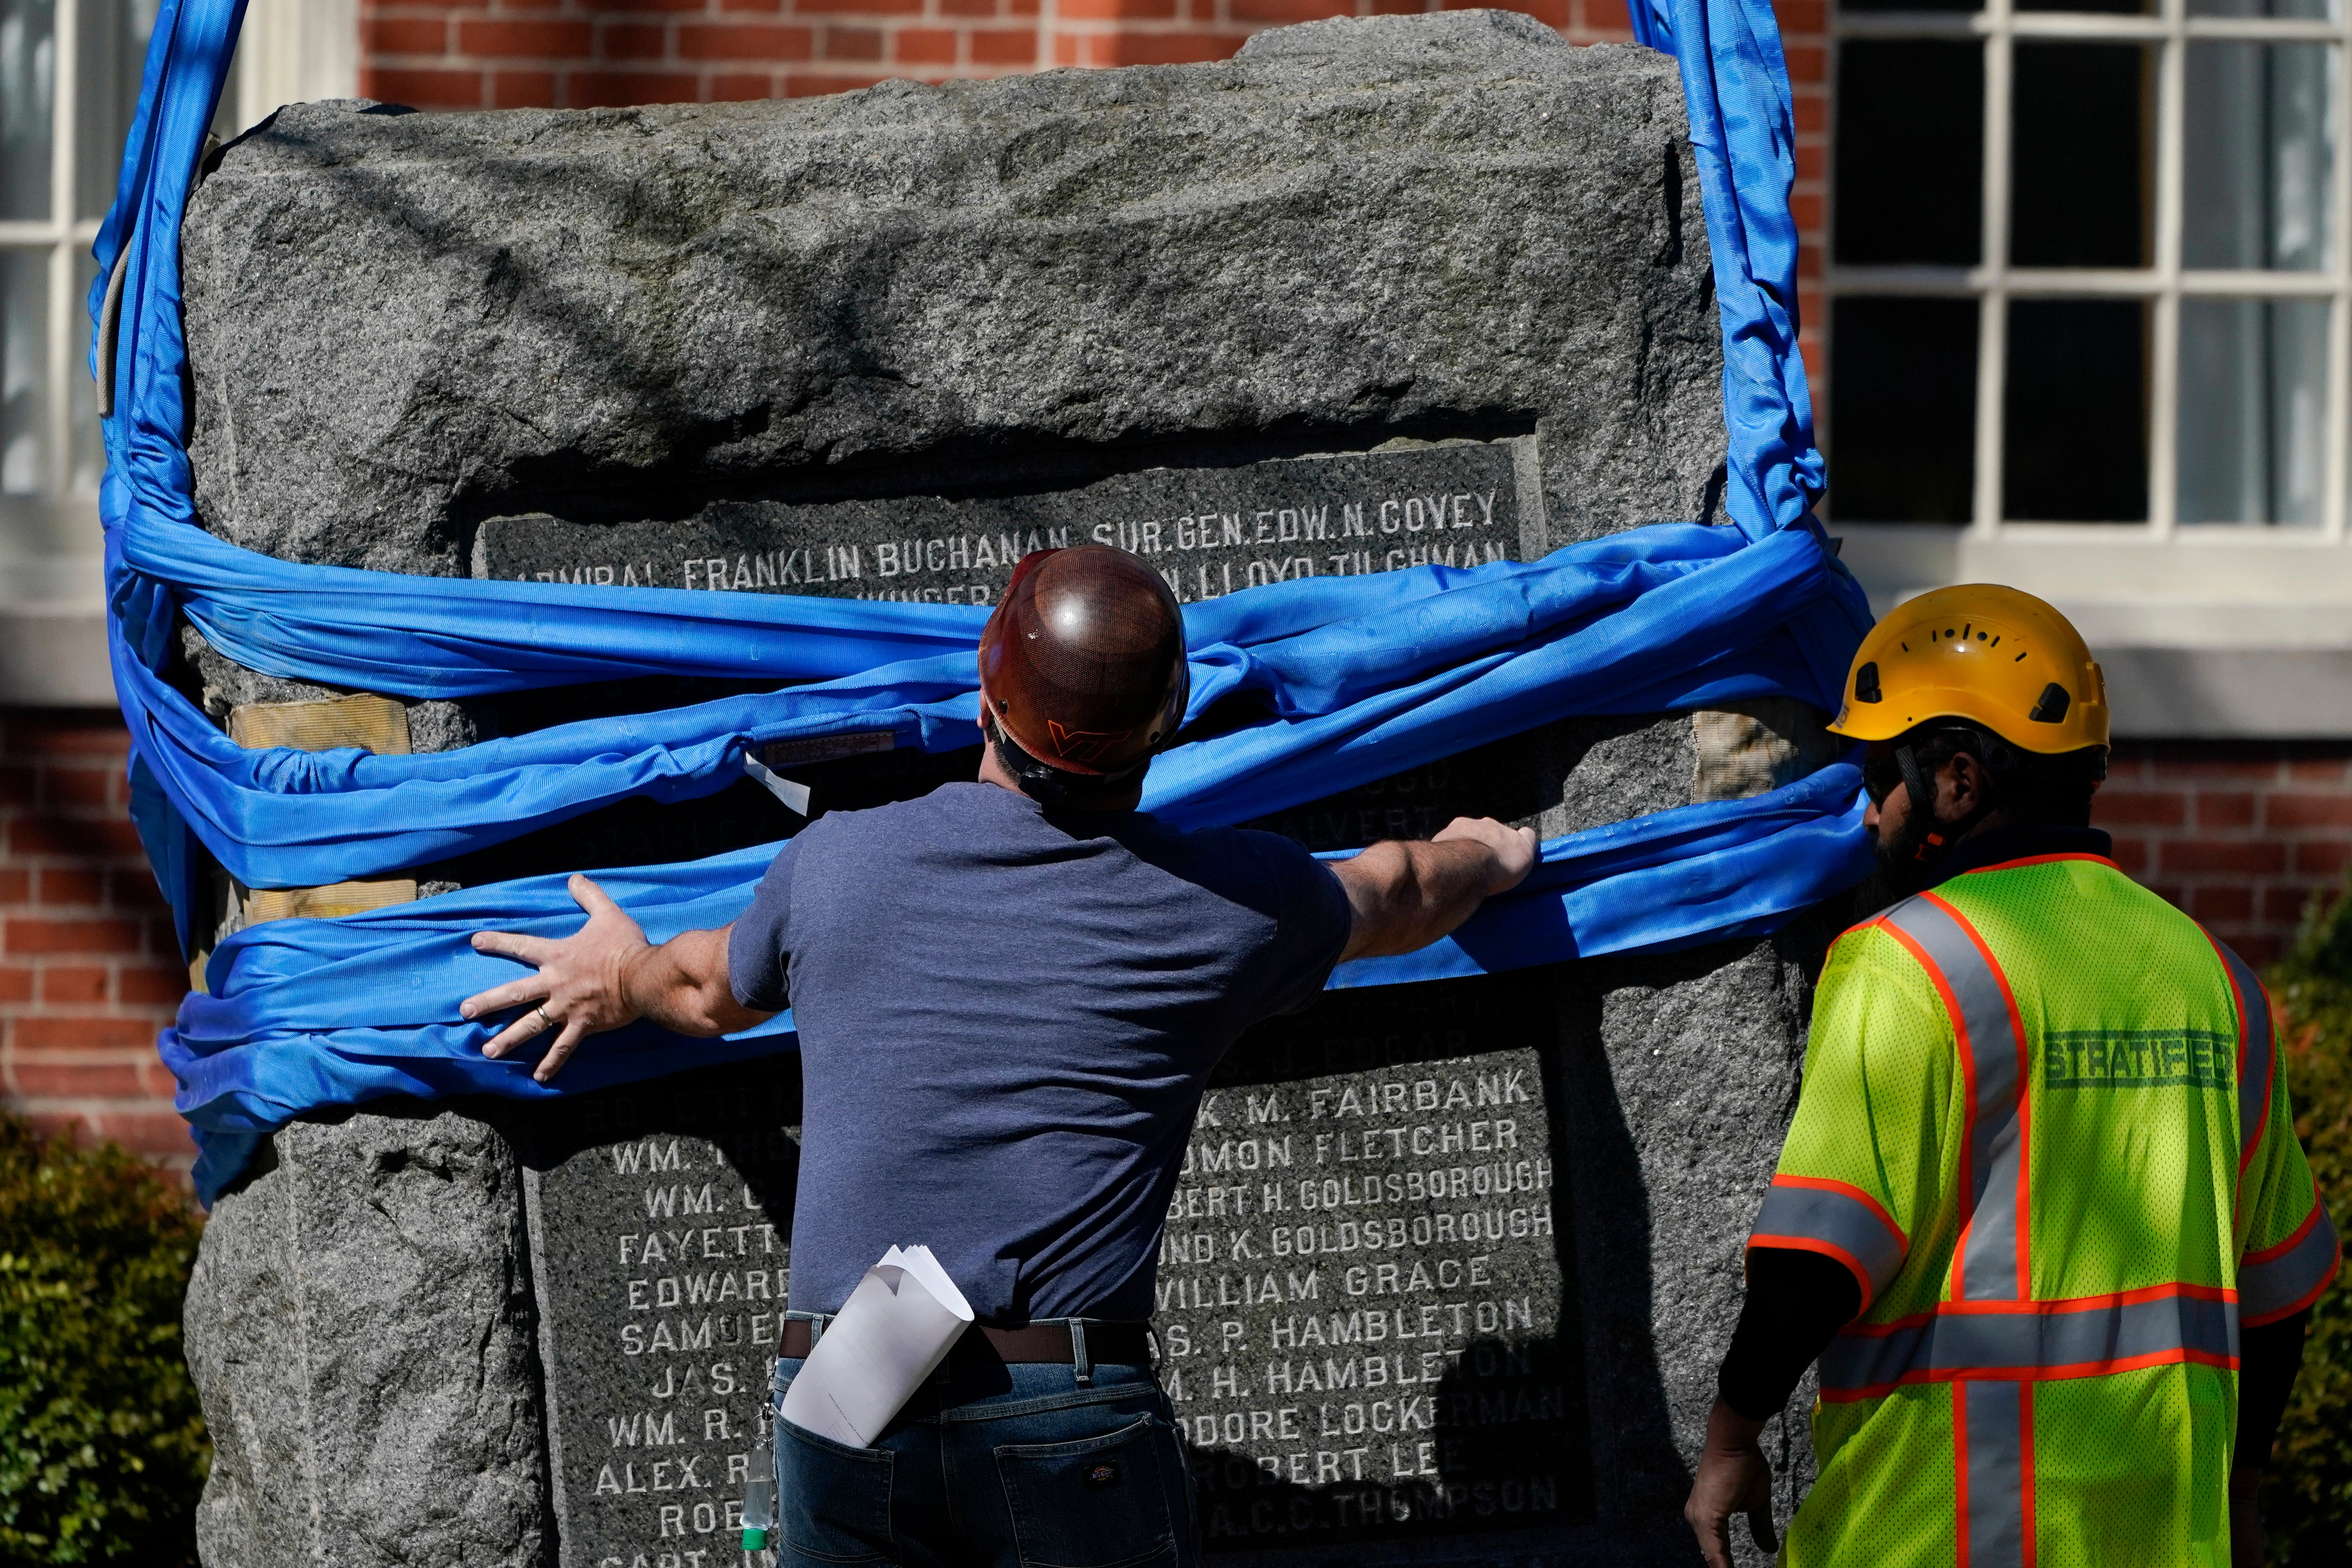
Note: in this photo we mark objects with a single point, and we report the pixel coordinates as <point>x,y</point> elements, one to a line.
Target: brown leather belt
<point>1121,1344</point>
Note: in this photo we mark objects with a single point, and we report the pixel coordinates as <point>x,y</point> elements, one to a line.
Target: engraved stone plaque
<point>1363,1316</point>
<point>660,1222</point>
<point>1209,530</point>
<point>1363,1279</point>
<point>1360,1288</point>
<point>1366,1293</point>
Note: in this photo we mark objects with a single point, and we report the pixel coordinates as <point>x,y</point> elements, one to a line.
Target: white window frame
<point>65,238</point>
<point>2157,584</point>
<point>52,644</point>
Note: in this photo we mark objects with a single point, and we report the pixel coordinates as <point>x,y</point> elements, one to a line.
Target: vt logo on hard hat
<point>1083,746</point>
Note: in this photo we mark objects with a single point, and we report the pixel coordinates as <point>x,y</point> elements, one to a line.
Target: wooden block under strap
<point>327,902</point>
<point>372,723</point>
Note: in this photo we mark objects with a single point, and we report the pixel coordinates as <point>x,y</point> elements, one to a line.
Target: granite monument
<point>1449,1265</point>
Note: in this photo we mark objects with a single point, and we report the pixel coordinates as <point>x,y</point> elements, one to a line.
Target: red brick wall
<point>90,970</point>
<point>499,54</point>
<point>2241,836</point>
<point>1804,38</point>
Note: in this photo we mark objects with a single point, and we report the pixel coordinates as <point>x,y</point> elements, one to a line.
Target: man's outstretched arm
<point>1407,894</point>
<point>606,974</point>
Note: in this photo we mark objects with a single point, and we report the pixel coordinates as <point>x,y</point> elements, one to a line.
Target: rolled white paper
<point>891,1334</point>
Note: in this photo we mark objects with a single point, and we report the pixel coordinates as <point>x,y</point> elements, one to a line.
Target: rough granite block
<point>402,324</point>
<point>359,1324</point>
<point>1439,229</point>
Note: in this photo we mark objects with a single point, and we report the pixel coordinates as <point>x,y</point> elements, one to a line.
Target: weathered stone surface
<point>223,684</point>
<point>1679,1074</point>
<point>402,324</point>
<point>360,1327</point>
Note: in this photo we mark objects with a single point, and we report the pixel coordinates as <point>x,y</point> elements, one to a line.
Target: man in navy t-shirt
<point>1010,995</point>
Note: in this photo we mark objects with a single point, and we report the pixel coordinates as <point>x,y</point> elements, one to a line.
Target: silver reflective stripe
<point>1838,1219</point>
<point>1989,1042</point>
<point>1993,1470</point>
<point>2272,1287</point>
<point>2254,1036</point>
<point>2080,1340</point>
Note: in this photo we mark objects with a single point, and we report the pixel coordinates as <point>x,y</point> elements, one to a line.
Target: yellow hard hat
<point>1991,655</point>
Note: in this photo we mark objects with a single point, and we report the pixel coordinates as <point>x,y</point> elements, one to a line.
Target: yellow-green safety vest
<point>2043,1123</point>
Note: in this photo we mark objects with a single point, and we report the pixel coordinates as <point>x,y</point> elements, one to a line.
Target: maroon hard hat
<point>1083,662</point>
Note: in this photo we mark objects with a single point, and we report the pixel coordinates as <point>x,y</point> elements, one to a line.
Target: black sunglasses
<point>1880,774</point>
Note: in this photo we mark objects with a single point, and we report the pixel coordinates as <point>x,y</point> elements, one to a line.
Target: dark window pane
<point>24,371</point>
<point>1864,8</point>
<point>2074,413</point>
<point>2259,145</point>
<point>113,59</point>
<point>1903,410</point>
<point>28,64</point>
<point>2112,7</point>
<point>2081,155</point>
<point>2254,410</point>
<point>2303,10</point>
<point>1910,151</point>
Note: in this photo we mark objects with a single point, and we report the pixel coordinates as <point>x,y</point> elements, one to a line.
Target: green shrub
<point>2307,1501</point>
<point>103,1450</point>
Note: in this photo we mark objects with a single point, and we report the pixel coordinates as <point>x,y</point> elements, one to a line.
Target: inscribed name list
<point>1358,1306</point>
<point>1209,532</point>
<point>660,1217</point>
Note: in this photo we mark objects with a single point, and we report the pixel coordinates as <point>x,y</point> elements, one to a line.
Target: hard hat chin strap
<point>1931,844</point>
<point>1934,836</point>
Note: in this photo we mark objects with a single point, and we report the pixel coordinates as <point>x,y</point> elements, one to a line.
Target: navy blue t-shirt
<point>1006,1020</point>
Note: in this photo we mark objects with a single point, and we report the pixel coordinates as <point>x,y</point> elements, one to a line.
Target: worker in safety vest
<point>2040,1216</point>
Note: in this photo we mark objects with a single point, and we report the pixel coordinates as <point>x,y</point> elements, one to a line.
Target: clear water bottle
<point>760,1500</point>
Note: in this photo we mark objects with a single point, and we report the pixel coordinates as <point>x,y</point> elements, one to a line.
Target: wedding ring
<point>545,1023</point>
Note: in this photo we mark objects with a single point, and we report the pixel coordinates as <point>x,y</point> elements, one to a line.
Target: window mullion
<point>2337,503</point>
<point>64,198</point>
<point>2164,377</point>
<point>1992,331</point>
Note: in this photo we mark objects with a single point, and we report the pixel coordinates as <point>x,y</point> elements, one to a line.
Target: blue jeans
<point>994,1466</point>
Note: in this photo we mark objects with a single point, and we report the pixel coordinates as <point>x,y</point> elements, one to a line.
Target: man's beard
<point>1901,872</point>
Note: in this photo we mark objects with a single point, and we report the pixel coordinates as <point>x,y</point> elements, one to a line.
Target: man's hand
<point>580,989</point>
<point>604,975</point>
<point>1406,895</point>
<point>1511,850</point>
<point>1733,1478</point>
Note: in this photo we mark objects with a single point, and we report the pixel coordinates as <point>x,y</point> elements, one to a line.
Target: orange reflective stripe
<point>2256,1067</point>
<point>1836,1219</point>
<point>1963,1510</point>
<point>2042,860</point>
<point>2025,1470</point>
<point>1993,1260</point>
<point>2279,1281</point>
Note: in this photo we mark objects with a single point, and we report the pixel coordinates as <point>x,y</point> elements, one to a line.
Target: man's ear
<point>1968,782</point>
